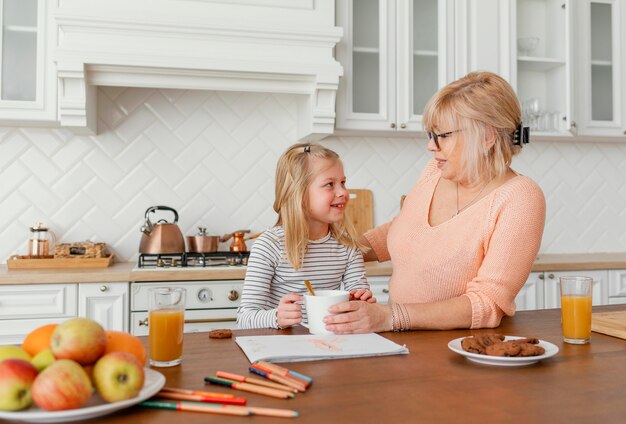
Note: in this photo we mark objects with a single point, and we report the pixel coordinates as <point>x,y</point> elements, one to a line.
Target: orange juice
<point>576,317</point>
<point>166,334</point>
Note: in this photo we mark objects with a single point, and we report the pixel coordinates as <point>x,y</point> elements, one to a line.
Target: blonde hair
<point>294,174</point>
<point>483,105</point>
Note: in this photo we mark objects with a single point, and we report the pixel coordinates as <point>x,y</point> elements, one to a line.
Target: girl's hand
<point>358,317</point>
<point>289,312</point>
<point>362,294</point>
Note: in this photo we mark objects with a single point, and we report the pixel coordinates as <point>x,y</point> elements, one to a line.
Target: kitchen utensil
<point>360,210</point>
<point>238,244</point>
<point>41,241</point>
<point>162,236</point>
<point>611,323</point>
<point>203,243</point>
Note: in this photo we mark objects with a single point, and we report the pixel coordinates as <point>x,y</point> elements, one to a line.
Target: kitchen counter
<point>126,271</point>
<point>582,383</point>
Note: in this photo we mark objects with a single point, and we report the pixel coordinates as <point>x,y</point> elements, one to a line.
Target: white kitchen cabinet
<point>542,290</point>
<point>531,295</point>
<point>379,285</point>
<point>617,286</point>
<point>600,49</point>
<point>395,54</point>
<point>106,303</point>
<point>24,307</point>
<point>541,55</point>
<point>27,80</point>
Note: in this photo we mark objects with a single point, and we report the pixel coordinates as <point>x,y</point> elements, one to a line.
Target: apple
<point>118,376</point>
<point>80,339</point>
<point>43,359</point>
<point>13,352</point>
<point>16,379</point>
<point>63,385</point>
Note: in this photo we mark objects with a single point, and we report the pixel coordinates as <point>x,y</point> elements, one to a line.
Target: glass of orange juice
<point>576,309</point>
<point>166,319</point>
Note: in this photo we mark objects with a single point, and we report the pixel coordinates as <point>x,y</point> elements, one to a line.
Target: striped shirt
<point>328,264</point>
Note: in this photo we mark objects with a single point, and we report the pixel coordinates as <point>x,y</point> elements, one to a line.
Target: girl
<point>311,241</point>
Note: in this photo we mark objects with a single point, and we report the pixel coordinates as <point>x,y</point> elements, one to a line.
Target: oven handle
<point>144,321</point>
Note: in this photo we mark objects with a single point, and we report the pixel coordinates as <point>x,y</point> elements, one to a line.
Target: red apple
<point>80,339</point>
<point>16,378</point>
<point>63,385</point>
<point>118,376</point>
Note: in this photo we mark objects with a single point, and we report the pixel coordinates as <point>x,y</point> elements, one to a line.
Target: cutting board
<point>611,323</point>
<point>361,210</point>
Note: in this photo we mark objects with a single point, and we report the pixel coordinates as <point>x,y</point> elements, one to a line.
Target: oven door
<point>195,320</point>
<point>209,305</point>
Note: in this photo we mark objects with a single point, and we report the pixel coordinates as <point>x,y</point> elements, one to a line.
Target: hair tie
<point>307,149</point>
<point>521,135</point>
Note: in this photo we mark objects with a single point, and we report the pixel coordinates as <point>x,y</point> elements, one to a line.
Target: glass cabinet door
<point>19,50</point>
<point>392,55</point>
<point>366,96</point>
<point>543,78</point>
<point>600,69</point>
<point>419,59</point>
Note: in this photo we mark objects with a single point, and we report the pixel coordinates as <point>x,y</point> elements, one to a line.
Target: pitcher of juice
<point>166,319</point>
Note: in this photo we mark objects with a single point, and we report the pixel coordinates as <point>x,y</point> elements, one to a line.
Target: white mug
<point>317,308</point>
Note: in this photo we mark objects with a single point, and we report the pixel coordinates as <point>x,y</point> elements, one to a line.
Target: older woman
<point>466,237</point>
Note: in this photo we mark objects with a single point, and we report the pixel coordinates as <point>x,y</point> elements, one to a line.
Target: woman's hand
<point>289,312</point>
<point>358,317</point>
<point>362,294</point>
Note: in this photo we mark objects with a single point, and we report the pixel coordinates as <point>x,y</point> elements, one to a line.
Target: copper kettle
<point>162,236</point>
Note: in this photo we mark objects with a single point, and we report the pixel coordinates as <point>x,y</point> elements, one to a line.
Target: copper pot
<point>162,236</point>
<point>203,243</point>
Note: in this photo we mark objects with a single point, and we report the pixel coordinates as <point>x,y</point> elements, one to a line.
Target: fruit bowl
<point>527,45</point>
<point>96,407</point>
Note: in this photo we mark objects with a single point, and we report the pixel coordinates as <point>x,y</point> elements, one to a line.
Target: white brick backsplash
<point>212,156</point>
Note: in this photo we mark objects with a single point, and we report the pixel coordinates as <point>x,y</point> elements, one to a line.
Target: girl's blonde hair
<point>294,174</point>
<point>482,105</point>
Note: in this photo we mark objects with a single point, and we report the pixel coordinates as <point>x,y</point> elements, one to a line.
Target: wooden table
<point>432,384</point>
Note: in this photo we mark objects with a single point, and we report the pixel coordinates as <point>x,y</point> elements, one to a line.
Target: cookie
<point>470,344</point>
<point>222,333</point>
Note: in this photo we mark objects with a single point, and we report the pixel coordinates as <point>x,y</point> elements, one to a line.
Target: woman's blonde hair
<point>294,174</point>
<point>483,105</point>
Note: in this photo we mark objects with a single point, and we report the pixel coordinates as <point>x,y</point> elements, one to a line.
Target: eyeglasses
<point>435,137</point>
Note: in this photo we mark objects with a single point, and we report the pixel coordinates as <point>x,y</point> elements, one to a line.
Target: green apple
<point>118,376</point>
<point>13,352</point>
<point>80,339</point>
<point>63,385</point>
<point>16,379</point>
<point>43,359</point>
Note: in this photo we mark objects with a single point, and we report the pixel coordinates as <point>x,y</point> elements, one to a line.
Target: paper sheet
<point>312,347</point>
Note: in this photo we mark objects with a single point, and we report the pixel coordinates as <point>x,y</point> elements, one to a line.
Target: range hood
<point>273,46</point>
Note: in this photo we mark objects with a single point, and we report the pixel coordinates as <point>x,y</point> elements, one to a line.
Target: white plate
<point>504,361</point>
<point>96,407</point>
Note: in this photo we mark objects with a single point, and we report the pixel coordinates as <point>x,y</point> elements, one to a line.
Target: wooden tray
<point>611,323</point>
<point>28,262</point>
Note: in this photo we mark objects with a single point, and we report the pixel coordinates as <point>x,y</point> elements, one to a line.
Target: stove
<point>191,260</point>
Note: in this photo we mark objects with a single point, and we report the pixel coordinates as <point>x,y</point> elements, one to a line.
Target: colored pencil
<point>200,398</point>
<point>212,408</point>
<point>197,392</point>
<point>247,387</point>
<point>286,371</point>
<point>267,373</point>
<point>281,372</point>
<point>258,381</point>
<point>221,409</point>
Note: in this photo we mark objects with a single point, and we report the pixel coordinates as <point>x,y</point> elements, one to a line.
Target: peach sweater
<point>484,253</point>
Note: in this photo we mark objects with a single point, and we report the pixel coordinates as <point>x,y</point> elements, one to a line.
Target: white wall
<point>211,156</point>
